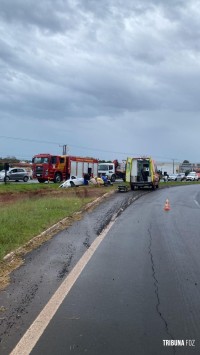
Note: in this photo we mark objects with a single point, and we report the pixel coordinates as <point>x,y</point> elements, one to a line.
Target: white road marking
<point>197,203</point>
<point>33,334</point>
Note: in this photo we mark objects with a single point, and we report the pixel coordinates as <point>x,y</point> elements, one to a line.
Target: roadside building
<point>175,167</point>
<point>186,166</point>
<point>168,168</point>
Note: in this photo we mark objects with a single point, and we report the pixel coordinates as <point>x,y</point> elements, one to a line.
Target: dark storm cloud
<point>89,64</point>
<point>46,15</point>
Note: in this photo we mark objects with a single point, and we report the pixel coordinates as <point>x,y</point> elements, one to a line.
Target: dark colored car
<point>17,174</point>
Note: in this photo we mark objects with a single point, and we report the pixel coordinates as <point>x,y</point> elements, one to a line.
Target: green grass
<point>23,220</point>
<point>30,214</point>
<point>178,183</point>
<point>17,187</point>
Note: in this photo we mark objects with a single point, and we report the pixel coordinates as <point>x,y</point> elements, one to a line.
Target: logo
<point>180,342</point>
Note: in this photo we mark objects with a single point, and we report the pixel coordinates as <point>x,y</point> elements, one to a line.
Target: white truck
<point>113,171</point>
<point>142,172</point>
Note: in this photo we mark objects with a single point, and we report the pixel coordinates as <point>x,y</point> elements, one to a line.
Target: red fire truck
<point>56,168</point>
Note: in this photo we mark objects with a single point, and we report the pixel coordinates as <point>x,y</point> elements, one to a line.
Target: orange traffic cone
<point>167,205</point>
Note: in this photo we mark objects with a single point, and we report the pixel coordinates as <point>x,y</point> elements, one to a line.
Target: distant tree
<point>9,159</point>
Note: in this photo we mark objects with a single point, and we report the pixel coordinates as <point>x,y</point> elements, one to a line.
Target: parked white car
<point>181,177</point>
<point>172,177</point>
<point>2,175</point>
<point>192,176</point>
<point>72,182</point>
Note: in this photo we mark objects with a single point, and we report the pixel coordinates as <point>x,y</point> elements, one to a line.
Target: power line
<point>88,148</point>
<point>59,144</point>
<point>29,140</point>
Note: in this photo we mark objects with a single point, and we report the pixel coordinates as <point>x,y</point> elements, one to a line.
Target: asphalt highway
<point>138,291</point>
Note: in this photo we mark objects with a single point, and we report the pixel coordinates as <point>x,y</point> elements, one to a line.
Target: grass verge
<point>25,215</point>
<point>23,220</point>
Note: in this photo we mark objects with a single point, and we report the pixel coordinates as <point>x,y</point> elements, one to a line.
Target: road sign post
<point>6,167</point>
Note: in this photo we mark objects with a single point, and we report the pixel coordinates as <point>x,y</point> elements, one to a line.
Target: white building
<point>174,167</point>
<point>168,167</point>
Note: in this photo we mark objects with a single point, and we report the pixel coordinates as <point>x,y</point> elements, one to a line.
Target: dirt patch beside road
<point>80,192</point>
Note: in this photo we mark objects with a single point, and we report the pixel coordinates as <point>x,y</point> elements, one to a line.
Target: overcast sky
<point>109,78</point>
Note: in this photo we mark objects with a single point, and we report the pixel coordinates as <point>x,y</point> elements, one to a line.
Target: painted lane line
<point>34,332</point>
<point>197,203</point>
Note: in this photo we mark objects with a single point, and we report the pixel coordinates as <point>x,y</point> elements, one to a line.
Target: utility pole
<point>173,164</point>
<point>65,149</point>
<point>6,167</point>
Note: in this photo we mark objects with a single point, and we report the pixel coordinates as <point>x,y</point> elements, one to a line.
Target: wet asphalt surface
<point>33,284</point>
<point>141,287</point>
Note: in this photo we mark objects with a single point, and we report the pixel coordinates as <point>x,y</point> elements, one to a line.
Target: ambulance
<point>141,172</point>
